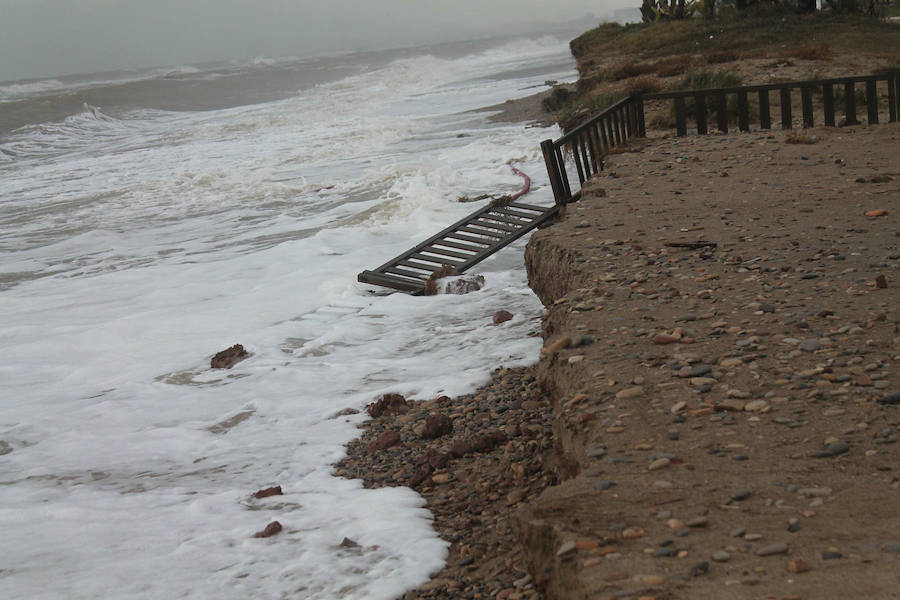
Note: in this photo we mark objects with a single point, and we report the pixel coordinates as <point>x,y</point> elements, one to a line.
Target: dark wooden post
<point>680,118</point>
<point>743,111</point>
<point>786,119</point>
<point>563,173</point>
<point>850,103</point>
<point>765,117</point>
<point>722,112</point>
<point>872,100</point>
<point>806,102</point>
<point>700,103</point>
<point>828,101</point>
<point>616,127</point>
<point>596,151</point>
<point>893,105</point>
<point>604,138</point>
<point>639,114</point>
<point>574,146</point>
<point>552,170</point>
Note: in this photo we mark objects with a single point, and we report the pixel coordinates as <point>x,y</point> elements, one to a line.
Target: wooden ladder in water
<point>461,246</point>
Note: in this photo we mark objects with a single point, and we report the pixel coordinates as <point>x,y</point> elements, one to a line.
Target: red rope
<point>525,188</point>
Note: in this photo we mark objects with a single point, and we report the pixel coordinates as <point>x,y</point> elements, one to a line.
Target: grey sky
<point>43,38</point>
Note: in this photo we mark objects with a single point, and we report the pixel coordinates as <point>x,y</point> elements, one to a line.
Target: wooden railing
<point>579,153</point>
<point>588,143</point>
<point>719,98</point>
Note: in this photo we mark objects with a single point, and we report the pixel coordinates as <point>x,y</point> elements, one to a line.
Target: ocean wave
<point>14,91</point>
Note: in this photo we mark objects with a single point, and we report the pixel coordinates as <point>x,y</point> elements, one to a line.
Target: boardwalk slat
<point>504,218</point>
<point>469,238</point>
<point>493,234</point>
<point>392,281</point>
<point>537,209</point>
<point>408,263</point>
<point>512,212</point>
<point>446,252</point>
<point>495,224</point>
<point>459,246</point>
<point>406,273</point>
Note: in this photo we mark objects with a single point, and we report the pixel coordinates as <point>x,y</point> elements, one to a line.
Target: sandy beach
<point>713,422</point>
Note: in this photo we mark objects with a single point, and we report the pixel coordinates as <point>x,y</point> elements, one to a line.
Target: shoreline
<point>471,458</point>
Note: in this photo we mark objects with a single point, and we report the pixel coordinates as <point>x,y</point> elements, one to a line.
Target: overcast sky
<point>43,38</point>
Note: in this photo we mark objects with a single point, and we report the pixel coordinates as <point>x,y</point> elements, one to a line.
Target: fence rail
<point>587,144</point>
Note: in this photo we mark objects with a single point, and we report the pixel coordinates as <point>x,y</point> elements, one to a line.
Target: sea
<point>150,218</point>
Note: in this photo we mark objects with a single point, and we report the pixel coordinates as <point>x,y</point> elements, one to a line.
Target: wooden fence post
<point>806,102</point>
<point>639,113</point>
<point>828,102</point>
<point>850,103</point>
<point>786,118</point>
<point>872,100</point>
<point>765,117</point>
<point>700,105</point>
<point>553,171</point>
<point>680,117</point>
<point>893,104</point>
<point>743,111</point>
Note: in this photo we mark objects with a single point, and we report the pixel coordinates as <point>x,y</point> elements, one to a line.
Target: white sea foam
<point>14,91</point>
<point>133,249</point>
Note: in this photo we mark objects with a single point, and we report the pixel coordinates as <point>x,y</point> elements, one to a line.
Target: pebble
<point>741,494</point>
<point>737,532</point>
<point>632,392</point>
<point>797,565</point>
<point>659,463</point>
<point>756,406</point>
<point>772,549</point>
<point>698,522</point>
<point>890,398</point>
<point>832,449</point>
<point>721,556</point>
<point>565,550</point>
<point>604,484</point>
<point>810,345</point>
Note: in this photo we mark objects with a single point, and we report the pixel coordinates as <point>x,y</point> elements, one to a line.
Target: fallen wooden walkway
<point>461,246</point>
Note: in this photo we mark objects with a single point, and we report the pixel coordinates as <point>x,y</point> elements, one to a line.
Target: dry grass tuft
<point>644,85</point>
<point>632,69</point>
<point>718,58</point>
<point>812,51</point>
<point>674,65</point>
<point>800,137</point>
